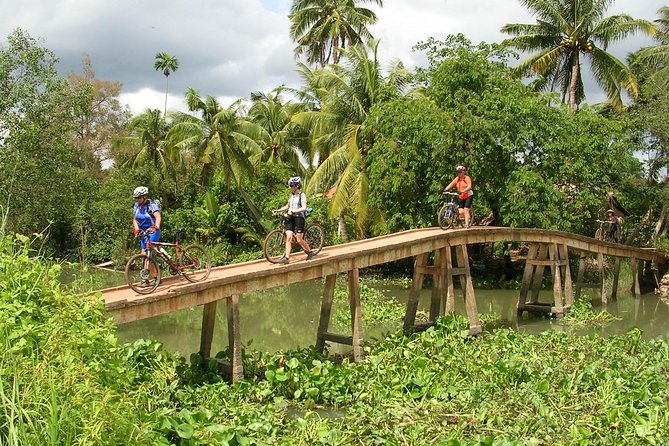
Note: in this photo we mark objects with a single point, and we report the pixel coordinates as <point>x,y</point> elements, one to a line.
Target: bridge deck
<point>175,294</point>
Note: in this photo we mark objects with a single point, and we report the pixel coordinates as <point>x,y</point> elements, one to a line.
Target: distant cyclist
<point>296,207</point>
<point>612,230</point>
<point>463,184</point>
<point>145,215</point>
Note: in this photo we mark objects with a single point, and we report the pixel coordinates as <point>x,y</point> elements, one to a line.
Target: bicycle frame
<point>151,247</point>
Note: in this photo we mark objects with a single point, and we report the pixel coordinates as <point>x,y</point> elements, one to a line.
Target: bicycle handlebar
<point>450,193</point>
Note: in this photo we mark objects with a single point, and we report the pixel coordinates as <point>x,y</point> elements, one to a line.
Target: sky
<point>230,48</point>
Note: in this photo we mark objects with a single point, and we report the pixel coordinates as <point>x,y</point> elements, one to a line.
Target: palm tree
<point>354,87</point>
<point>321,27</point>
<point>147,143</point>
<point>219,139</point>
<point>658,56</point>
<point>565,31</point>
<point>168,64</point>
<point>281,139</point>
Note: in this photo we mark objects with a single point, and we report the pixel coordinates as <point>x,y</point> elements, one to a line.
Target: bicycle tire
<point>599,234</point>
<point>274,246</point>
<point>314,235</point>
<point>445,216</point>
<point>194,263</point>
<point>139,275</point>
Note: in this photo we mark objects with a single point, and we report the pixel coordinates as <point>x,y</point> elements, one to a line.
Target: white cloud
<point>229,48</point>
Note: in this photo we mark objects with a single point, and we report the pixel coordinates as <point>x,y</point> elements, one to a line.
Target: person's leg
<point>299,235</point>
<point>289,243</point>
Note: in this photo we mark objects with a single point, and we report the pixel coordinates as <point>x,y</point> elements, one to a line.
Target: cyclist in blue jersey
<point>296,208</point>
<point>145,215</point>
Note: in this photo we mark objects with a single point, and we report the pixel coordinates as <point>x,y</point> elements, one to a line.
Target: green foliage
<point>581,313</point>
<point>376,306</point>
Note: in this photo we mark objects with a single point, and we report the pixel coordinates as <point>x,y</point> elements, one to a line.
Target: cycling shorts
<point>467,202</point>
<point>294,224</point>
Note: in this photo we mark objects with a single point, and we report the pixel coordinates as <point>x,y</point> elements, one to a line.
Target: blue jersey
<point>144,214</point>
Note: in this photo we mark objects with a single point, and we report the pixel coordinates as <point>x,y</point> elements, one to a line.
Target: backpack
<point>307,211</point>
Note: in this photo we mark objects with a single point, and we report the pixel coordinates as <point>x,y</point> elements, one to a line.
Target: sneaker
<point>310,255</point>
<point>283,259</point>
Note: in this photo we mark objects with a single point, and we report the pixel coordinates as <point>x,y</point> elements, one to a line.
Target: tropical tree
<point>657,57</point>
<point>281,139</point>
<point>354,87</point>
<point>321,27</point>
<point>219,138</point>
<point>168,64</point>
<point>147,142</point>
<point>567,30</point>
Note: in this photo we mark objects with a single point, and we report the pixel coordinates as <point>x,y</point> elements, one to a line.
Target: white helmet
<point>294,181</point>
<point>140,191</point>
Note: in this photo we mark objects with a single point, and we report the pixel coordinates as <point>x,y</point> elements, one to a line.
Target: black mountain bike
<point>274,246</point>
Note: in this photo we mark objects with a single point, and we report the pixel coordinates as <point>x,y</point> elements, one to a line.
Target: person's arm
<point>158,217</point>
<point>135,226</point>
<point>284,208</point>
<point>451,184</point>
<point>468,183</point>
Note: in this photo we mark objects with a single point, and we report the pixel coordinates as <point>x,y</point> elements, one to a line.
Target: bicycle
<point>274,246</point>
<point>449,214</point>
<point>142,272</point>
<point>603,235</point>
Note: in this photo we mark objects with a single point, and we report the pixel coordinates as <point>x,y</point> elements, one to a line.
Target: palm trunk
<point>165,109</point>
<point>341,228</point>
<point>573,83</point>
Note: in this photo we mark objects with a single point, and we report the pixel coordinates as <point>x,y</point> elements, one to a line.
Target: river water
<point>286,318</point>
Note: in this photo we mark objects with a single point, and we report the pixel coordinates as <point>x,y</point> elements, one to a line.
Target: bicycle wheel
<point>142,274</point>
<point>194,263</point>
<point>274,246</point>
<point>446,216</point>
<point>599,234</point>
<point>314,235</point>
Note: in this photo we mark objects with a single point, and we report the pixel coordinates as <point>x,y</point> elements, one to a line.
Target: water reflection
<point>287,318</point>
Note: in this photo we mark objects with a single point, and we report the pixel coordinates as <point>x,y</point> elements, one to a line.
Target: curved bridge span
<point>547,249</point>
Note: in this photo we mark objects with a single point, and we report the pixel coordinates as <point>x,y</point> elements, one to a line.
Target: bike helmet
<point>610,211</point>
<point>140,191</point>
<point>294,181</point>
<point>460,169</point>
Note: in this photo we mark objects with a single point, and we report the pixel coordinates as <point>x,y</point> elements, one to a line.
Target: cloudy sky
<point>230,48</point>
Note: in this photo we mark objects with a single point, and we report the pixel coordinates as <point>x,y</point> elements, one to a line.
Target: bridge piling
<point>539,256</point>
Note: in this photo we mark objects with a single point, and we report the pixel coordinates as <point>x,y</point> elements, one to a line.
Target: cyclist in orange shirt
<point>463,184</point>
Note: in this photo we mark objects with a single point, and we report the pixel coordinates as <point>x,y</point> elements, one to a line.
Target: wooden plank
<point>326,310</point>
<point>338,338</point>
<point>235,339</point>
<point>207,334</point>
<point>356,313</point>
<point>414,292</point>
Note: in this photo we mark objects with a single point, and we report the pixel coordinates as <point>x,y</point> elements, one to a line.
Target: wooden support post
<point>580,275</point>
<point>556,271</point>
<point>414,293</point>
<point>616,275</point>
<point>568,287</point>
<point>539,267</point>
<point>468,290</point>
<point>326,310</point>
<point>448,281</point>
<point>234,338</point>
<point>636,286</point>
<point>527,277</point>
<point>356,313</point>
<point>437,283</point>
<point>207,334</point>
<point>538,258</point>
<point>602,282</point>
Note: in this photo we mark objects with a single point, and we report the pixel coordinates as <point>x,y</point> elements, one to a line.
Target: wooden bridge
<point>547,249</point>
